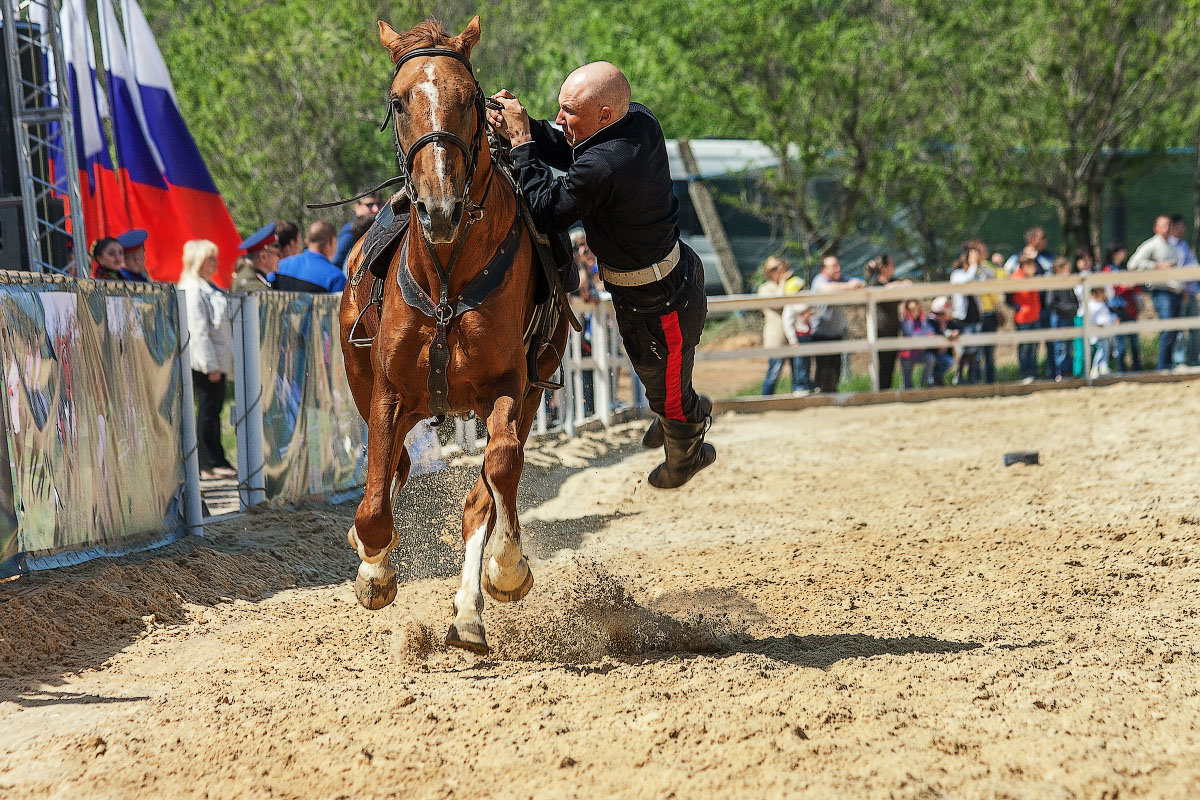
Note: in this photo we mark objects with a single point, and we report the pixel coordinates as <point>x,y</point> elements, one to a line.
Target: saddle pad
<point>383,237</point>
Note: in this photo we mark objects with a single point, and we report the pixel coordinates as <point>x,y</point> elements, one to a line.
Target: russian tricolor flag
<point>103,207</point>
<point>168,188</point>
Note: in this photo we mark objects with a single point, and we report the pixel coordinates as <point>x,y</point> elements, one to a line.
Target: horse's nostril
<point>422,213</point>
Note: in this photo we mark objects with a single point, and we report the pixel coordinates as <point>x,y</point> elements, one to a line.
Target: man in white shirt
<point>829,322</point>
<point>1157,252</point>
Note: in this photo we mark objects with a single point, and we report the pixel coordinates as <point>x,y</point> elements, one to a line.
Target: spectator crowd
<point>274,258</point>
<point>953,315</point>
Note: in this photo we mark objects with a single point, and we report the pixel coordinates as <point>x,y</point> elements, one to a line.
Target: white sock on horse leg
<point>468,600</point>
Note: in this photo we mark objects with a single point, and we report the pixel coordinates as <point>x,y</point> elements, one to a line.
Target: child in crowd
<point>1124,303</point>
<point>943,323</point>
<point>912,323</point>
<point>1100,316</point>
<point>797,329</point>
<point>1027,310</point>
<point>1063,305</point>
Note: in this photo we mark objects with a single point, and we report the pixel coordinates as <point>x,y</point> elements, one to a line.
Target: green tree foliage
<point>914,112</point>
<point>1069,86</point>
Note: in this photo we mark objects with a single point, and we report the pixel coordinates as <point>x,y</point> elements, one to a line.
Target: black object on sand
<point>1022,457</point>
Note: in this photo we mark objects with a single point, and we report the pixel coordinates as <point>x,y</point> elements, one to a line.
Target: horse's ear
<point>389,39</point>
<point>470,36</point>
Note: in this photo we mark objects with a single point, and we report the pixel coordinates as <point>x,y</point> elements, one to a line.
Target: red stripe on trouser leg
<point>674,404</point>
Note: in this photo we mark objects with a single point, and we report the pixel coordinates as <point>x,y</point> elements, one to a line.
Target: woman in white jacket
<point>211,348</point>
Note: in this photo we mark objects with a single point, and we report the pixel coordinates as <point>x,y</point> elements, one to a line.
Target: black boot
<point>652,439</point>
<point>687,453</point>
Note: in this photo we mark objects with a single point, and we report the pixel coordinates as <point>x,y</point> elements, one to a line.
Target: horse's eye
<point>398,105</point>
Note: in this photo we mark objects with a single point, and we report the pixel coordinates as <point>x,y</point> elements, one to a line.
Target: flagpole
<point>106,55</point>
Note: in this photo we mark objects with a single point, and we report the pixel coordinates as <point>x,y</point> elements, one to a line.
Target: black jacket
<point>1063,302</point>
<point>617,182</point>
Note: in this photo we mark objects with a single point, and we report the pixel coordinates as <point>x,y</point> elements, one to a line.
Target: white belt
<point>640,277</point>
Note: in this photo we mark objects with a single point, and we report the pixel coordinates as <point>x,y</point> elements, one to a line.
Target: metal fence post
<point>540,426</point>
<point>240,404</point>
<point>1084,299</point>
<point>570,373</point>
<point>193,514</point>
<point>602,397</point>
<point>872,332</point>
<point>576,347</point>
<point>247,398</point>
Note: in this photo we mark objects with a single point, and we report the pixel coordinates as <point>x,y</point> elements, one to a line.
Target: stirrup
<point>549,384</point>
<point>376,300</point>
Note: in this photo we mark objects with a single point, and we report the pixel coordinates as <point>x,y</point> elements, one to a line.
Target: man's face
<point>135,260</point>
<point>1039,240</point>
<point>367,205</point>
<point>578,116</point>
<point>832,268</point>
<point>267,260</point>
<point>1178,230</point>
<point>1162,226</point>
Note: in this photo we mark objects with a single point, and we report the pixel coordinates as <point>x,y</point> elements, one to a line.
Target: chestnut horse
<point>467,214</point>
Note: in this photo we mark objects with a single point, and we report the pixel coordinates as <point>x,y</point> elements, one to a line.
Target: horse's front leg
<point>373,534</point>
<point>492,506</point>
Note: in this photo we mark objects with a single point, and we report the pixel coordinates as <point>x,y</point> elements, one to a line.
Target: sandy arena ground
<point>854,602</point>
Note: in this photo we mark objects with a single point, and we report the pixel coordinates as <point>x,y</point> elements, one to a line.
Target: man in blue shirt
<point>312,270</point>
<point>345,240</point>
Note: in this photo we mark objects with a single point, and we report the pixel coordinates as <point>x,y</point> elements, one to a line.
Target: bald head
<point>592,97</point>
<point>321,238</point>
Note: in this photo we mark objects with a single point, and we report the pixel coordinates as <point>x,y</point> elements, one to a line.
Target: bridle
<point>471,151</point>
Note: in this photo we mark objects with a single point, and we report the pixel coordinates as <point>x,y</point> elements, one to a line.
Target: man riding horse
<point>618,184</point>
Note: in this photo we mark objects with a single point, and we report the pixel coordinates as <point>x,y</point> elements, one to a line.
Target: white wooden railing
<point>871,297</point>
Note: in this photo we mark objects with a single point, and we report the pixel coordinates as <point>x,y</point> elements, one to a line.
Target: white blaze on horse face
<point>468,600</point>
<point>429,87</point>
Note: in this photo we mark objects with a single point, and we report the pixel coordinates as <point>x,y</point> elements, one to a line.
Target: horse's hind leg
<point>492,505</point>
<point>508,577</point>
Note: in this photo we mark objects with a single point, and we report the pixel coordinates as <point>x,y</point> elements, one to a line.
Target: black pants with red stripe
<point>661,324</point>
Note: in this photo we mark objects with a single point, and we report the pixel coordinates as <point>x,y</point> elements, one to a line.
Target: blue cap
<point>259,239</point>
<point>132,238</point>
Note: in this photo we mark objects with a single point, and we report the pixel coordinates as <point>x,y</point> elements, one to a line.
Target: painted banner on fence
<point>314,441</point>
<point>91,419</point>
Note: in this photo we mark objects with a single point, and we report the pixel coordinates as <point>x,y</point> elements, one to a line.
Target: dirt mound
<point>68,618</point>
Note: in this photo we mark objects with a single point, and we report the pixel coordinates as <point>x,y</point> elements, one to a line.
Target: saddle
<point>554,280</point>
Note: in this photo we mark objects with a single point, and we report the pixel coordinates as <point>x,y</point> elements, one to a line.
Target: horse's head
<point>439,120</point>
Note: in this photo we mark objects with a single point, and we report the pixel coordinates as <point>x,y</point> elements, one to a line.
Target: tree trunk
<point>710,221</point>
<point>1076,218</point>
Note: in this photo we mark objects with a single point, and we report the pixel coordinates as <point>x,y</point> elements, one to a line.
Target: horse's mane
<point>429,33</point>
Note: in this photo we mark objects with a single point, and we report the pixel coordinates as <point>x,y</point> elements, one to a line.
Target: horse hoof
<point>492,583</point>
<point>468,636</point>
<point>375,587</point>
